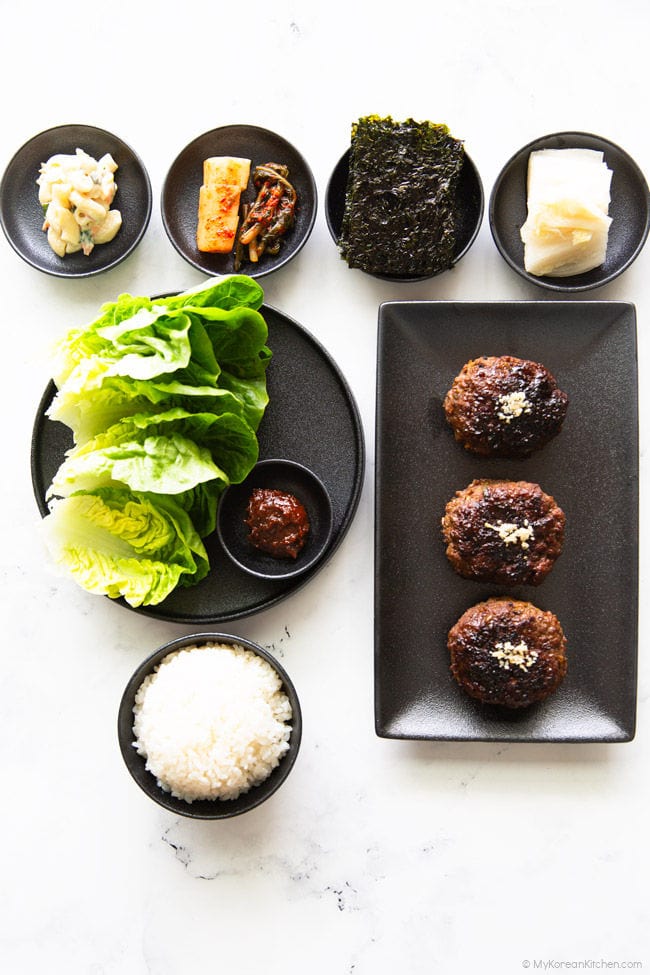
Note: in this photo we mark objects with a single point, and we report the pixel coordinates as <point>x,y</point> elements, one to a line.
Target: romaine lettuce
<point>143,338</point>
<point>165,453</point>
<point>229,291</point>
<point>169,352</point>
<point>117,543</point>
<point>91,412</point>
<point>164,397</point>
<point>166,465</point>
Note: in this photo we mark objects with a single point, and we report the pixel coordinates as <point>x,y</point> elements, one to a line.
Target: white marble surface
<point>377,856</point>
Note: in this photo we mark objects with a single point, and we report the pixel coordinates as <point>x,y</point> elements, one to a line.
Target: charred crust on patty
<point>502,406</point>
<point>507,652</point>
<point>506,532</point>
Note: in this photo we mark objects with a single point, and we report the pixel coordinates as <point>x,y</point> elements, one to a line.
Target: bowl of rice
<point>209,725</point>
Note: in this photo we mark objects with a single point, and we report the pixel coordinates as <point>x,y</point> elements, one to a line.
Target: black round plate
<point>312,418</point>
<point>470,197</point>
<point>204,808</point>
<point>21,214</point>
<point>180,195</point>
<point>628,209</point>
<point>275,474</point>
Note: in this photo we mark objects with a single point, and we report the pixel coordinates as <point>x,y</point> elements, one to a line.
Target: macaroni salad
<point>76,192</point>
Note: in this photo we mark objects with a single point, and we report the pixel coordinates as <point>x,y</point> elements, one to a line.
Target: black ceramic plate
<point>470,194</point>
<point>22,215</point>
<point>628,209</point>
<point>591,469</point>
<point>312,418</point>
<point>180,195</point>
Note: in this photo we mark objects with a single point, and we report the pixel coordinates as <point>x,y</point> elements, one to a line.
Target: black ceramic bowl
<point>471,204</point>
<point>21,214</point>
<point>204,808</point>
<point>629,210</point>
<point>292,478</point>
<point>180,195</point>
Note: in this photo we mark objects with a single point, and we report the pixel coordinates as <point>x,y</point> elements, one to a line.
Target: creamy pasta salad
<point>76,192</point>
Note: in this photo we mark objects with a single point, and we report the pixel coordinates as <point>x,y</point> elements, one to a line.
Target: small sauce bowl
<point>289,477</point>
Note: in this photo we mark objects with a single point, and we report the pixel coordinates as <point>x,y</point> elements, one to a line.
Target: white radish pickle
<point>567,225</point>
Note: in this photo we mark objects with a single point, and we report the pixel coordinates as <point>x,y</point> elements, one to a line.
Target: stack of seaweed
<point>401,200</point>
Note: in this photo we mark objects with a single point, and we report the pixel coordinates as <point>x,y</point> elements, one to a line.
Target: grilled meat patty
<point>506,532</point>
<point>508,652</point>
<point>501,406</point>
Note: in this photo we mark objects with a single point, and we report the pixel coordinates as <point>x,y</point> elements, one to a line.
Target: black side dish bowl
<point>289,477</point>
<point>180,195</point>
<point>629,209</point>
<point>471,203</point>
<point>21,214</point>
<point>204,808</point>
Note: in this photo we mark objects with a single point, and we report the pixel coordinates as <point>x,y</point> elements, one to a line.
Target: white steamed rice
<point>212,721</point>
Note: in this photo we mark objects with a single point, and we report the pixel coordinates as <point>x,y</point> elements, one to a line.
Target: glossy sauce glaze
<point>278,523</point>
<point>505,532</point>
<point>508,652</point>
<point>503,406</point>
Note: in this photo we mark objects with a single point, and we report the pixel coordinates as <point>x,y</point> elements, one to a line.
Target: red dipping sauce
<point>278,523</point>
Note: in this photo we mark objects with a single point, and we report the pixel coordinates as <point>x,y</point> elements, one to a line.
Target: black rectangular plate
<point>591,469</point>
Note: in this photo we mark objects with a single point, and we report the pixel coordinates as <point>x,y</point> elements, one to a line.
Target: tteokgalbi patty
<point>502,406</point>
<point>508,652</point>
<point>506,532</point>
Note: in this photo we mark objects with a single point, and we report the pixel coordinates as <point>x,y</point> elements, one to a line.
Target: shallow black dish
<point>629,210</point>
<point>21,214</point>
<point>279,475</point>
<point>591,469</point>
<point>312,417</point>
<point>180,195</point>
<point>470,195</point>
<point>204,808</point>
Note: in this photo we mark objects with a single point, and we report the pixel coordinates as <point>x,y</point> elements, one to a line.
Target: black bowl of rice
<point>209,725</point>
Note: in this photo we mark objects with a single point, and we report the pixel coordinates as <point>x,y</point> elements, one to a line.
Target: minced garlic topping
<point>511,533</point>
<point>512,405</point>
<point>519,656</point>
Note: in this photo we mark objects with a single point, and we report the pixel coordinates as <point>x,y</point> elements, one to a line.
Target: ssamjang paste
<point>278,523</point>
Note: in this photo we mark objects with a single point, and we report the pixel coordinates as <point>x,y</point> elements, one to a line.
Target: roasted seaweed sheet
<point>401,197</point>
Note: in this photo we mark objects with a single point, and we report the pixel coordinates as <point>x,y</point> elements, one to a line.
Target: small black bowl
<point>204,808</point>
<point>629,210</point>
<point>470,196</point>
<point>180,195</point>
<point>281,475</point>
<point>21,214</point>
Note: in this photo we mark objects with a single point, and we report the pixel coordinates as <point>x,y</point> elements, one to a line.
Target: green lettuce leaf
<point>163,465</point>
<point>117,543</point>
<point>142,338</point>
<point>164,398</point>
<point>200,503</point>
<point>92,411</point>
<point>251,392</point>
<point>229,291</point>
<point>147,344</point>
<point>228,437</point>
<point>103,372</point>
<point>163,453</point>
